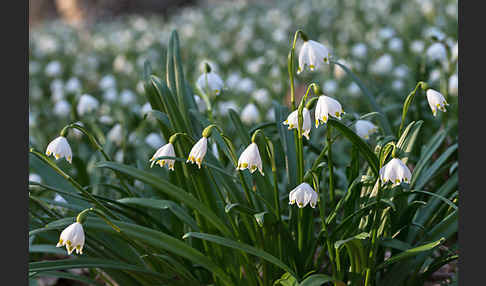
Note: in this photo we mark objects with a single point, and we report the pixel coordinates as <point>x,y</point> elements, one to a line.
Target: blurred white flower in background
<point>108,81</point>
<point>87,104</point>
<point>382,65</point>
<point>262,96</point>
<point>359,50</point>
<point>33,177</point>
<point>106,119</point>
<point>417,46</point>
<point>116,134</point>
<point>53,68</point>
<point>154,140</point>
<point>454,84</point>
<point>73,85</point>
<point>395,45</point>
<point>62,108</point>
<point>127,97</point>
<point>224,107</point>
<point>110,94</point>
<point>436,52</point>
<point>250,114</point>
<point>330,86</point>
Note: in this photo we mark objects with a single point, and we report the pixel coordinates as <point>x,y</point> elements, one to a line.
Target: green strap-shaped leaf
<point>171,190</point>
<point>317,280</point>
<point>412,252</point>
<point>243,247</point>
<point>163,205</point>
<point>364,148</point>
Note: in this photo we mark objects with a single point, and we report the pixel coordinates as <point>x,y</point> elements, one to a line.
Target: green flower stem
<point>408,102</point>
<point>98,147</point>
<point>72,181</point>
<point>374,234</point>
<point>330,166</point>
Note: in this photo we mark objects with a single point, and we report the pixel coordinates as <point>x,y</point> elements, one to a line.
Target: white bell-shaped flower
<point>436,101</point>
<point>166,150</point>
<point>73,238</point>
<point>293,121</point>
<point>303,194</point>
<point>198,152</point>
<point>250,159</point>
<point>250,114</point>
<point>59,147</point>
<point>116,134</point>
<point>313,54</point>
<point>365,128</point>
<point>210,82</point>
<point>86,104</point>
<point>396,172</point>
<point>326,107</point>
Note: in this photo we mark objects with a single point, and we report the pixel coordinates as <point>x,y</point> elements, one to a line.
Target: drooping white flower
<point>107,82</point>
<point>250,159</point>
<point>73,238</point>
<point>293,121</point>
<point>396,172</point>
<point>86,104</point>
<point>313,54</point>
<point>365,128</point>
<point>211,82</point>
<point>59,147</point>
<point>146,108</point>
<point>359,50</point>
<point>250,114</point>
<point>303,194</point>
<point>436,101</point>
<point>53,68</point>
<point>127,97</point>
<point>116,134</point>
<point>166,150</point>
<point>417,46</point>
<point>198,152</point>
<point>106,119</point>
<point>73,85</point>
<point>325,107</point>
<point>395,44</point>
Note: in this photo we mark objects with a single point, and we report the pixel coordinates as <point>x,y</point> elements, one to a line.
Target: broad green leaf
<point>317,280</point>
<point>412,252</point>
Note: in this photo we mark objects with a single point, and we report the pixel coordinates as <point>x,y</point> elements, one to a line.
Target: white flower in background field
<point>57,95</point>
<point>397,85</point>
<point>455,51</point>
<point>58,198</point>
<point>262,96</point>
<point>119,155</point>
<point>107,82</point>
<point>396,172</point>
<point>434,32</point>
<point>56,85</point>
<point>417,46</point>
<point>116,134</point>
<point>75,132</point>
<point>73,85</point>
<point>106,119</point>
<point>326,107</point>
<point>401,71</point>
<point>353,89</point>
<point>293,121</point>
<point>73,238</point>
<point>86,104</point>
<point>436,101</point>
<point>313,54</point>
<point>146,108</point>
<point>211,82</point>
<point>382,65</point>
<point>250,114</point>
<point>303,194</point>
<point>224,107</point>
<point>200,103</point>
<point>250,159</point>
<point>110,94</point>
<point>436,52</point>
<point>359,50</point>
<point>62,108</point>
<point>365,128</point>
<point>53,68</point>
<point>395,45</point>
<point>454,84</point>
<point>127,97</point>
<point>245,85</point>
<point>386,33</point>
<point>35,178</point>
<point>434,75</point>
<point>140,87</point>
<point>166,150</point>
<point>59,147</point>
<point>270,115</point>
<point>330,86</point>
<point>154,140</point>
<point>198,152</point>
